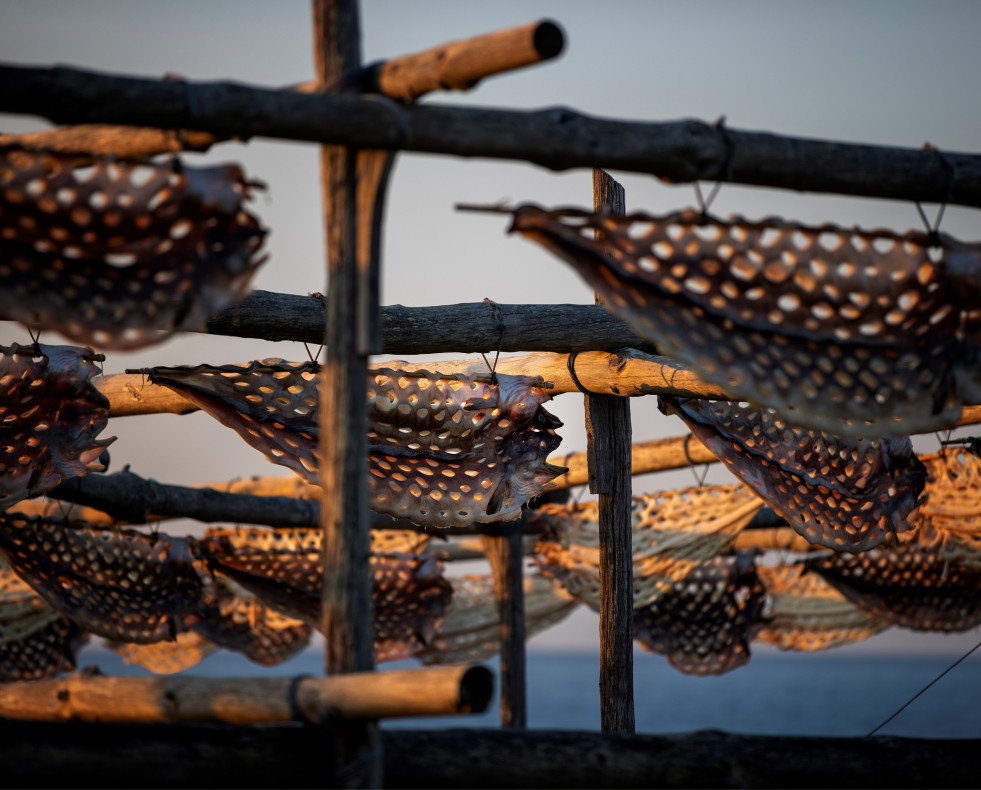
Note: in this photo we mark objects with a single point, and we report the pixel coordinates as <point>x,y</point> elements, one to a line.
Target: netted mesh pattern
<point>118,254</point>
<point>471,631</point>
<point>950,515</point>
<point>186,650</point>
<point>48,651</point>
<point>285,571</point>
<point>907,585</point>
<point>35,641</point>
<point>703,623</point>
<point>410,600</point>
<point>673,532</point>
<point>843,330</point>
<point>848,494</point>
<point>50,416</point>
<point>443,450</point>
<point>243,624</point>
<point>116,584</point>
<point>806,613</point>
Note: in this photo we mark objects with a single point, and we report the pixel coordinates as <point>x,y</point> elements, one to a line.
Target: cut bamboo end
<point>439,691</point>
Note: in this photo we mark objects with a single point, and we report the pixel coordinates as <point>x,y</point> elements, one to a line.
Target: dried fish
<point>908,585</point>
<point>443,450</point>
<point>284,569</point>
<point>50,416</point>
<point>858,333</point>
<point>116,584</point>
<point>704,623</point>
<point>120,254</point>
<point>845,493</point>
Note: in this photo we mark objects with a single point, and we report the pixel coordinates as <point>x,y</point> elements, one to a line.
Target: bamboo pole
<point>437,691</point>
<point>608,434</point>
<point>556,138</point>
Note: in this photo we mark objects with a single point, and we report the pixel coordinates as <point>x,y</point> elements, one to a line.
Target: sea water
<point>845,694</point>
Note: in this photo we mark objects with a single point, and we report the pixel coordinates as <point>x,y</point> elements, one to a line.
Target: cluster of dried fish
<point>701,603</point>
<point>250,590</point>
<point>857,333</point>
<point>120,254</point>
<point>443,450</point>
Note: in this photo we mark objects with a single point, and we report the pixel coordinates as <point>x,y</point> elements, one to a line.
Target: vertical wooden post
<point>608,438</point>
<point>504,552</point>
<point>352,181</point>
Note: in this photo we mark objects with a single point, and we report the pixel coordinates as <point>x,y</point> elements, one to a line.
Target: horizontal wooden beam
<point>627,372</point>
<point>457,65</point>
<point>437,691</point>
<point>128,498</point>
<point>37,754</point>
<point>457,328</point>
<point>557,138</point>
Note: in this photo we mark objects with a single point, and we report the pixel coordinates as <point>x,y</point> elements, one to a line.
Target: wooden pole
<point>505,551</point>
<point>436,691</point>
<point>608,439</point>
<point>557,138</point>
<point>352,182</point>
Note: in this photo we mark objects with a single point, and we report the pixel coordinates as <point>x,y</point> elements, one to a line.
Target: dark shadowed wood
<point>129,498</point>
<point>36,754</point>
<point>504,549</point>
<point>608,438</point>
<point>557,138</point>
<point>352,182</point>
<point>458,328</point>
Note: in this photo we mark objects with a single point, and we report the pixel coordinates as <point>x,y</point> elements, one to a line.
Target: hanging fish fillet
<point>858,333</point>
<point>444,450</point>
<point>116,584</point>
<point>50,415</point>
<point>35,640</point>
<point>120,254</point>
<point>284,569</point>
<point>704,623</point>
<point>909,585</point>
<point>848,494</point>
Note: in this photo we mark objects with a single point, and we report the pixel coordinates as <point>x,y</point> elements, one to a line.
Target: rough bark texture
<point>505,552</point>
<point>557,138</point>
<point>457,328</point>
<point>608,437</point>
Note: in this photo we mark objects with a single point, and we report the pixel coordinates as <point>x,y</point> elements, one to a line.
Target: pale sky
<point>895,73</point>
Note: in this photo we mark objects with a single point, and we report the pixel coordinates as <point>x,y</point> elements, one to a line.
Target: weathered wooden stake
<point>352,181</point>
<point>608,459</point>
<point>505,553</point>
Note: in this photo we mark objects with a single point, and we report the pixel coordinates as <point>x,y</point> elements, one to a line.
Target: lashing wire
<point>725,172</point>
<point>499,315</point>
<point>933,230</point>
